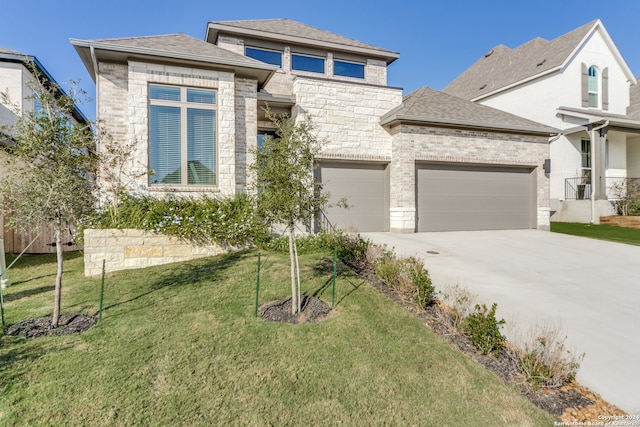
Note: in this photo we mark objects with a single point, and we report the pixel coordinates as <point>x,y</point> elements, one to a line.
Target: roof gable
<point>429,106</point>
<point>172,48</point>
<point>284,29</point>
<point>503,68</point>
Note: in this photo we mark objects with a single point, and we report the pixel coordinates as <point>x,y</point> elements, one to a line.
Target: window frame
<point>304,55</point>
<point>593,77</point>
<point>265,50</point>
<point>585,160</point>
<point>184,106</point>
<point>360,64</point>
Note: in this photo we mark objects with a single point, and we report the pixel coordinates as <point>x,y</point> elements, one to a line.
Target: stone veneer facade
<point>123,108</point>
<point>414,144</point>
<point>129,249</point>
<point>347,116</point>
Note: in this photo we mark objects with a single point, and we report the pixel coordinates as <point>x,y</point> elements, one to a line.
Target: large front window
<point>182,135</point>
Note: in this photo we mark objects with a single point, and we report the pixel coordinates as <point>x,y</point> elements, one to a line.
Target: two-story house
<point>578,83</point>
<point>194,111</point>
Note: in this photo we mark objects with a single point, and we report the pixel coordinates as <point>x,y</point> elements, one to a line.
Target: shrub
<point>543,358</point>
<point>226,220</point>
<point>388,270</point>
<point>484,329</point>
<point>420,278</point>
<point>349,247</point>
<point>460,302</point>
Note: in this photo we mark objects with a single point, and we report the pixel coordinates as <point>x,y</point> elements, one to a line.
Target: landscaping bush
<point>543,358</point>
<point>405,274</point>
<point>484,329</point>
<point>425,291</point>
<point>460,303</point>
<point>226,220</point>
<point>349,247</point>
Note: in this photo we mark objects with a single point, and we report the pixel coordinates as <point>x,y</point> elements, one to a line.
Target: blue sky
<point>437,40</point>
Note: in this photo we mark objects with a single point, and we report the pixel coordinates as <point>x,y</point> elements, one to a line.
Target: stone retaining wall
<point>621,221</point>
<point>128,249</point>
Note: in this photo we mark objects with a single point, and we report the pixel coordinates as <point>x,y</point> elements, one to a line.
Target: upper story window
<point>312,64</point>
<point>272,57</point>
<point>182,135</point>
<point>348,69</point>
<point>593,87</point>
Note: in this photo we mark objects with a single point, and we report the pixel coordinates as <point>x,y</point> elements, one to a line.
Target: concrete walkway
<point>591,287</point>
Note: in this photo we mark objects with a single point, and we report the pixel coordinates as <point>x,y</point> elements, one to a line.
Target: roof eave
<point>214,29</point>
<point>390,120</point>
<point>262,72</point>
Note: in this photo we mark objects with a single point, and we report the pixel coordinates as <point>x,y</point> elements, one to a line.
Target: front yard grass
<point>611,233</point>
<point>179,345</point>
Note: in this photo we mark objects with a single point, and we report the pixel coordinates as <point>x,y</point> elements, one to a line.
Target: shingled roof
<point>284,29</point>
<point>171,48</point>
<point>502,66</point>
<point>428,106</point>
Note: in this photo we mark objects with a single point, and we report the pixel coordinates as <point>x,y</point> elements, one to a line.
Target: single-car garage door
<point>365,186</point>
<point>470,197</point>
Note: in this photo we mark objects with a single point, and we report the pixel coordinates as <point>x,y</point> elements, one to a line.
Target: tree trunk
<point>295,253</point>
<point>294,299</point>
<point>58,290</point>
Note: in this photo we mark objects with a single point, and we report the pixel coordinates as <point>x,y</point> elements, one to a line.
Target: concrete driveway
<point>591,287</point>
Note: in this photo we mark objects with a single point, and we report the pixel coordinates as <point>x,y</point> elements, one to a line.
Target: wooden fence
<point>44,241</point>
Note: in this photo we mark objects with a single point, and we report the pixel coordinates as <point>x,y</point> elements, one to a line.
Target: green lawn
<point>612,233</point>
<point>179,345</point>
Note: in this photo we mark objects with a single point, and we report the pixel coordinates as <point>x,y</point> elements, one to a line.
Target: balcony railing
<point>579,188</point>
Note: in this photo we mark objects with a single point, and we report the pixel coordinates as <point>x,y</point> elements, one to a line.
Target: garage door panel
<point>455,197</point>
<point>365,189</point>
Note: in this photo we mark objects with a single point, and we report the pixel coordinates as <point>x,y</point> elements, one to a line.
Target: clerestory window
<point>182,136</point>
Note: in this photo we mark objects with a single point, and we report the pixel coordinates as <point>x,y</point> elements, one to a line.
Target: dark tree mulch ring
<point>67,324</point>
<point>312,310</point>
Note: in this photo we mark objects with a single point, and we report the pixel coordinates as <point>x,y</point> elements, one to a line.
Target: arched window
<point>593,87</point>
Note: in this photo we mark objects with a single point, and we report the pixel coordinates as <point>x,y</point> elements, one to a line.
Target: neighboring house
<point>580,84</point>
<point>194,111</point>
<point>17,97</point>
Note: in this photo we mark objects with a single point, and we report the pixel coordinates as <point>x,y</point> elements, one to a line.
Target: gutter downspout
<point>95,70</point>
<point>592,134</point>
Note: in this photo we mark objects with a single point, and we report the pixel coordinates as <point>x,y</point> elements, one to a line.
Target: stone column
<point>402,215</point>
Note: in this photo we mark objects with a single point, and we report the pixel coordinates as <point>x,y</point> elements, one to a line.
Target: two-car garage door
<point>449,197</point>
<point>472,197</point>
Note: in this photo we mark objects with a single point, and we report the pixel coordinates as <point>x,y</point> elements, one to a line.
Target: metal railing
<point>323,223</point>
<point>579,188</point>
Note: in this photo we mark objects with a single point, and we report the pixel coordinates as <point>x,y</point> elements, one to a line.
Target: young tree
<point>52,166</point>
<point>286,188</point>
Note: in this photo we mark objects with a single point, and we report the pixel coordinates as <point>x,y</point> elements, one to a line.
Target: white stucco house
<point>17,97</point>
<point>580,84</point>
<point>428,161</point>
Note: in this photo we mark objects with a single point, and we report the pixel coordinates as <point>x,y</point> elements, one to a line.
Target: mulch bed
<point>67,324</point>
<point>571,403</point>
<point>312,310</point>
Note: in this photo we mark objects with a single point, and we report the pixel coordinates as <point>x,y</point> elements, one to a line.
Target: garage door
<point>456,197</point>
<point>365,187</point>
